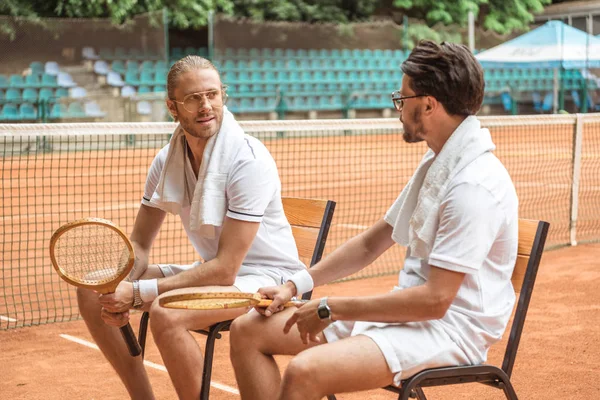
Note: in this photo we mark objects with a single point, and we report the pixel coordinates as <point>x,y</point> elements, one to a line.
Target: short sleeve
<point>250,189</point>
<point>153,178</point>
<point>470,221</point>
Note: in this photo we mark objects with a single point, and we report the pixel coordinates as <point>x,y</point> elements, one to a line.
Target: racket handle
<point>294,303</point>
<point>132,344</point>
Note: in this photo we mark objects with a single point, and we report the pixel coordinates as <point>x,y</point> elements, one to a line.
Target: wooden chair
<point>310,220</point>
<point>532,237</point>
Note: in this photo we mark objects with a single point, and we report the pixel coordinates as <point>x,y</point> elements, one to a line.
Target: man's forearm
<point>408,305</point>
<point>211,273</point>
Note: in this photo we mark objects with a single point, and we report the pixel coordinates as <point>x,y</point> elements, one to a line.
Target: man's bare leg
<point>110,341</point>
<point>254,340</point>
<point>178,347</point>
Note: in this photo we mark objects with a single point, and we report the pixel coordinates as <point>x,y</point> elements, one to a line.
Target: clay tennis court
<point>363,174</point>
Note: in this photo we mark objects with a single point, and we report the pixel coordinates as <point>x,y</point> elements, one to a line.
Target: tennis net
<point>55,173</point>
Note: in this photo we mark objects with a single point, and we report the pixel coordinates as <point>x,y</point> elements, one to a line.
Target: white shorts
<point>248,280</point>
<point>408,348</point>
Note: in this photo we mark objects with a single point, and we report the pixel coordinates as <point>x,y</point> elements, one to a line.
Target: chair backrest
<point>532,237</point>
<point>310,220</point>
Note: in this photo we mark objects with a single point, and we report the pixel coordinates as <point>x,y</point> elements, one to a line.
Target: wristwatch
<point>137,298</point>
<point>323,311</point>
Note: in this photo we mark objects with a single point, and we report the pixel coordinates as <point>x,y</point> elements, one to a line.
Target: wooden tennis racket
<point>94,253</point>
<point>219,301</point>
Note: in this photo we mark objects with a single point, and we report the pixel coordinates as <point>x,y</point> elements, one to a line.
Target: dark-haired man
<point>457,216</point>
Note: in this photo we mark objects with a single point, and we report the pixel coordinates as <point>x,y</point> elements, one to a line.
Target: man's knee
<point>242,332</point>
<point>300,374</point>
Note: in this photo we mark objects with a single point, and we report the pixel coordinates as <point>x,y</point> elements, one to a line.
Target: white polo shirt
<point>478,236</point>
<point>253,193</point>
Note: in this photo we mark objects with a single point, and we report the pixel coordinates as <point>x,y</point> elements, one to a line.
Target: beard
<point>412,130</point>
<point>196,130</point>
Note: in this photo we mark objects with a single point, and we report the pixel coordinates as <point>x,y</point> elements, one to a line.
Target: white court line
<point>9,319</point>
<point>146,362</point>
<point>352,226</point>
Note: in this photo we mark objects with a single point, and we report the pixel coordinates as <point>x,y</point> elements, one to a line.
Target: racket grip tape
<point>132,343</point>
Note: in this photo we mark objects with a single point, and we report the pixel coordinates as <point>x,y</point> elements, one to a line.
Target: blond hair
<point>186,64</point>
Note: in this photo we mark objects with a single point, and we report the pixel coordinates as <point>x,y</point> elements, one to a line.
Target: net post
<point>577,144</point>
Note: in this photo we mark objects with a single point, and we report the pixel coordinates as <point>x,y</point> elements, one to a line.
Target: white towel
<point>415,212</point>
<point>208,203</point>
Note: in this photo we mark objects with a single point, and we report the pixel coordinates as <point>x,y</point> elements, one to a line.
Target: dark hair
<point>448,72</point>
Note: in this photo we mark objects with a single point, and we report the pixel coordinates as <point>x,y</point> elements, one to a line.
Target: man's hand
<point>119,301</point>
<point>115,319</point>
<point>279,294</point>
<point>308,322</point>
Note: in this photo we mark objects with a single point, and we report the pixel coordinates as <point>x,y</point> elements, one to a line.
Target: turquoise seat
<point>278,53</point>
<point>147,77</point>
<point>46,94</point>
<point>132,78</point>
<point>148,66</point>
<point>37,67</point>
<point>62,92</point>
<point>10,113</point>
<point>176,53</point>
<point>13,95</point>
<point>120,53</point>
<point>58,110</point>
<point>144,89</point>
<point>135,53</point>
<point>27,111</point>
<point>118,66</point>
<point>189,51</point>
<point>159,88</point>
<point>132,66</point>
<point>4,83</point>
<point>16,81</point>
<point>30,95</point>
<point>49,81</point>
<point>75,110</point>
<point>266,52</point>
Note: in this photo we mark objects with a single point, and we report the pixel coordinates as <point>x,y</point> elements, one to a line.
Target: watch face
<point>323,312</point>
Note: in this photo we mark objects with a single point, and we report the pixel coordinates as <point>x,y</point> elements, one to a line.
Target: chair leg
<point>331,397</point>
<point>509,390</point>
<point>208,359</point>
<point>420,393</point>
<point>142,332</point>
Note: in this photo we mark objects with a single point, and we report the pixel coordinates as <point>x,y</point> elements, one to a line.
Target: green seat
<point>36,67</point>
<point>46,94</point>
<point>144,89</point>
<point>16,81</point>
<point>159,88</point>
<point>132,78</point>
<point>12,95</point>
<point>62,92</point>
<point>147,77</point>
<point>30,94</point>
<point>176,53</point>
<point>58,110</point>
<point>118,66</point>
<point>49,81</point>
<point>10,113</point>
<point>4,82</point>
<point>27,111</point>
<point>75,110</point>
<point>147,66</point>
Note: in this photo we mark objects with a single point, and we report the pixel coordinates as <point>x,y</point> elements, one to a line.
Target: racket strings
<point>92,254</point>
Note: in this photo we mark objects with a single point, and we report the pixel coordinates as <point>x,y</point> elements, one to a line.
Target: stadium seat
<point>10,113</point>
<point>4,83</point>
<point>58,110</point>
<point>114,79</point>
<point>120,54</point>
<point>16,81</point>
<point>132,78</point>
<point>135,54</point>
<point>127,91</point>
<point>75,110</point>
<point>176,53</point>
<point>27,111</point>
<point>548,103</point>
<point>144,89</point>
<point>89,53</point>
<point>30,95</point>
<point>159,89</point>
<point>33,81</point>
<point>118,66</point>
<point>61,93</point>
<point>37,68</point>
<point>51,68</point>
<point>1,96</point>
<point>12,95</point>
<point>507,101</point>
<point>78,92</point>
<point>144,107</point>
<point>49,81</point>
<point>46,94</point>
<point>146,77</point>
<point>92,109</point>
<point>537,101</point>
<point>64,79</point>
<point>101,67</point>
<point>147,66</point>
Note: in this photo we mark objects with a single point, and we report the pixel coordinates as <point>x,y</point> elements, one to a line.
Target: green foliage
<point>501,16</point>
<point>417,32</point>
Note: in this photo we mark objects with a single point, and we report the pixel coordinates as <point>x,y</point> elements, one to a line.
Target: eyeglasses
<point>194,101</point>
<point>398,99</point>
